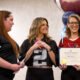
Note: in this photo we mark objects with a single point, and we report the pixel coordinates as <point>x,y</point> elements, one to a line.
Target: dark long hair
<point>3,16</point>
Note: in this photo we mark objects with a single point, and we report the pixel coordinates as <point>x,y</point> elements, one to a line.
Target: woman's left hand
<point>45,45</point>
<point>22,64</point>
<point>77,67</point>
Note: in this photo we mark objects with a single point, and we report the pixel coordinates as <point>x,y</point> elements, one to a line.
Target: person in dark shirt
<point>38,51</point>
<point>8,48</point>
<point>72,40</point>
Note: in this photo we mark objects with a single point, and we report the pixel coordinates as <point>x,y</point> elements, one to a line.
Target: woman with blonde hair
<point>72,40</point>
<point>8,48</point>
<point>39,51</point>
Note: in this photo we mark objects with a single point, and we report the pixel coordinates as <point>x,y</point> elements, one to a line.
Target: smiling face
<point>73,25</point>
<point>44,28</point>
<point>8,22</point>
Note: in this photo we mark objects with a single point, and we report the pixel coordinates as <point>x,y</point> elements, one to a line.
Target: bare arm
<point>30,51</point>
<point>28,54</point>
<point>52,56</point>
<point>5,64</point>
<point>50,52</point>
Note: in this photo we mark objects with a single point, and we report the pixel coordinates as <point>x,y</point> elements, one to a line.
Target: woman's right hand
<point>37,45</point>
<point>63,67</point>
<point>15,67</point>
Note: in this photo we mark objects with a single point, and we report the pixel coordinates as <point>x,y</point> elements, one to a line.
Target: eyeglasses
<point>76,23</point>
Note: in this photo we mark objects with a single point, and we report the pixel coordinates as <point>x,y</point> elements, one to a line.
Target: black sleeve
<point>55,49</point>
<point>23,49</point>
<point>3,46</point>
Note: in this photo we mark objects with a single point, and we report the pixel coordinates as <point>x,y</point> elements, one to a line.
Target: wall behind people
<point>24,12</point>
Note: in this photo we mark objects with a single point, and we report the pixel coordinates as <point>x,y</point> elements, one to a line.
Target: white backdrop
<point>24,11</point>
